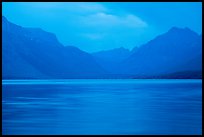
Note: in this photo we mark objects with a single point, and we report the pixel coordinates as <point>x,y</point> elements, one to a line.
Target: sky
<point>96,26</point>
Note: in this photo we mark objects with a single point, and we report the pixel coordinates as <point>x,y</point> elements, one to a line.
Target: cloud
<point>109,27</point>
<point>134,21</point>
<point>85,14</point>
<point>90,7</point>
<point>90,13</point>
<point>93,36</point>
<point>69,7</point>
<point>103,19</point>
<point>82,23</point>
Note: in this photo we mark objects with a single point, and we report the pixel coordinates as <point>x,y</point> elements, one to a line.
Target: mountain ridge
<point>44,53</point>
<point>35,53</point>
<point>168,49</point>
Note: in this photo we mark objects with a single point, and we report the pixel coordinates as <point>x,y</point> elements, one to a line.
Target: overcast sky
<point>98,26</point>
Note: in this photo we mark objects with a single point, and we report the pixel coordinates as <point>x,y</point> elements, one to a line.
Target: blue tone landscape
<point>101,68</point>
<point>104,107</point>
<point>33,53</point>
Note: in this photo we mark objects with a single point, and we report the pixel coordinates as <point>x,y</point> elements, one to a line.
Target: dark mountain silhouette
<point>34,53</point>
<point>109,59</point>
<point>114,55</point>
<point>168,53</point>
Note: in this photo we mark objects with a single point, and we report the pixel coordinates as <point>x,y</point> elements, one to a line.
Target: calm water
<point>102,107</point>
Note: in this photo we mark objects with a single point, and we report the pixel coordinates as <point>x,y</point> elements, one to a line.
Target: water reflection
<point>103,108</point>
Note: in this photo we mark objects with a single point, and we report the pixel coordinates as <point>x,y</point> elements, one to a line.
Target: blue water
<point>140,107</point>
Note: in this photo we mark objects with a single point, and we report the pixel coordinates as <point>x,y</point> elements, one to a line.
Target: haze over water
<point>102,107</point>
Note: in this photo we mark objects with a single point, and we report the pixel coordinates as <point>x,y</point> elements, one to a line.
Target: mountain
<point>179,49</point>
<point>109,59</point>
<point>175,75</point>
<point>134,50</point>
<point>34,53</point>
<point>114,55</point>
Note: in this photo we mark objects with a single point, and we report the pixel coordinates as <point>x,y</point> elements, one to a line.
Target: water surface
<point>102,107</point>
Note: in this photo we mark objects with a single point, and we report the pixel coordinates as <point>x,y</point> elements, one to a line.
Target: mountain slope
<point>40,55</point>
<point>109,59</point>
<point>165,53</point>
<point>34,53</point>
<point>114,55</point>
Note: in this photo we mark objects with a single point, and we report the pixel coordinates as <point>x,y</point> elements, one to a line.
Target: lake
<point>122,107</point>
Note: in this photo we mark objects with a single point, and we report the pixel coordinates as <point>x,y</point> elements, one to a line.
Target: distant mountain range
<point>110,59</point>
<point>170,52</point>
<point>34,53</point>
